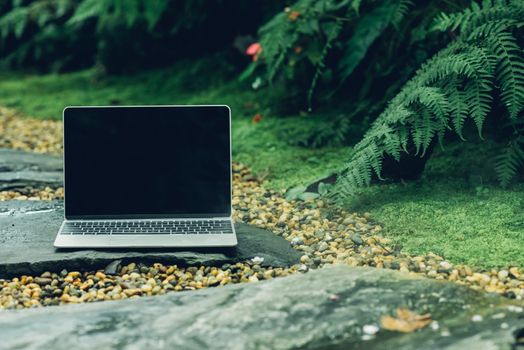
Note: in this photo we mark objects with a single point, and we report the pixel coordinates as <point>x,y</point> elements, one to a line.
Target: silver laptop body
<point>147,177</point>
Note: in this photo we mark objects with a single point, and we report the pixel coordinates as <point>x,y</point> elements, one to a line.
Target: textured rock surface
<point>24,169</point>
<point>28,229</point>
<point>323,309</point>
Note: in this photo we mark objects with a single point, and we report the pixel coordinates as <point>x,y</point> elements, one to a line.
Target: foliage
<point>121,34</point>
<point>317,54</point>
<point>44,32</point>
<point>458,84</point>
<point>129,11</point>
<point>327,40</point>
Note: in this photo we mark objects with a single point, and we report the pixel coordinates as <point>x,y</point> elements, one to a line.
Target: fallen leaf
<point>406,321</point>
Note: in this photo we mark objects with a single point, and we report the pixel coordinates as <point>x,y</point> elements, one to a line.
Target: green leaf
<point>88,9</point>
<point>324,188</point>
<point>368,29</point>
<point>308,196</point>
<point>248,72</point>
<point>153,11</point>
<point>295,192</point>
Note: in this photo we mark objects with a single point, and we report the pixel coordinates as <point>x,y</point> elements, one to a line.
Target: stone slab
<point>28,230</point>
<point>323,309</point>
<point>20,169</point>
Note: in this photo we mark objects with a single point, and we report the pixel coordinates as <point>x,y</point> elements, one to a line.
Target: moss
<point>272,158</point>
<point>467,218</point>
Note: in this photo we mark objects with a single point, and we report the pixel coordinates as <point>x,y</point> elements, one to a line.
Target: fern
<point>510,160</point>
<point>455,85</point>
<point>131,11</point>
<point>18,40</point>
<point>367,30</point>
<point>14,22</point>
<point>39,31</point>
<point>401,11</point>
<point>322,25</point>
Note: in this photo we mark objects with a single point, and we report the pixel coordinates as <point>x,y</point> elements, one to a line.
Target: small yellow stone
<point>503,274</point>
<point>146,288</point>
<point>100,275</point>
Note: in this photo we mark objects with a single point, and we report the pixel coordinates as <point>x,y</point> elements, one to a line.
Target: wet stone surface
<point>28,229</point>
<point>335,307</point>
<point>20,169</point>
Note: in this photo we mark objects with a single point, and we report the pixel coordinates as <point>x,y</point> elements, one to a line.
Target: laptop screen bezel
<point>66,113</point>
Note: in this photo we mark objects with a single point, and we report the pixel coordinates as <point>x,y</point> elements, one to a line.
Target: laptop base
<point>65,239</point>
<point>144,241</point>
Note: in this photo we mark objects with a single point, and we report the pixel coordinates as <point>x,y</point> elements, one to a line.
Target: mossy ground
<point>455,210</point>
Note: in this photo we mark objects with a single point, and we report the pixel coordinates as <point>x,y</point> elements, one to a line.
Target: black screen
<point>147,161</point>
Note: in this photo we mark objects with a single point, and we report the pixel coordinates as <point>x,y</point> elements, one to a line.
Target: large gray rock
<point>323,309</point>
<point>20,169</point>
<point>28,229</point>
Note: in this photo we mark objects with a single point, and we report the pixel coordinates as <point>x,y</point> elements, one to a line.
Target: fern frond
<point>355,5</point>
<point>401,11</point>
<point>89,9</point>
<point>459,108</point>
<point>14,22</point>
<point>509,71</point>
<point>276,44</point>
<point>509,161</point>
<point>366,160</point>
<point>472,18</point>
<point>153,11</point>
<point>368,29</point>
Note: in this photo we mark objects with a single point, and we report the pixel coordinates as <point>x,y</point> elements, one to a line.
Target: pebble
<point>355,238</point>
<point>257,260</point>
<point>445,265</point>
<point>503,274</point>
<point>296,241</point>
<point>515,308</point>
<point>324,236</point>
<point>323,246</point>
<point>445,333</point>
<point>515,272</point>
<point>370,329</point>
<point>476,318</point>
<point>42,281</point>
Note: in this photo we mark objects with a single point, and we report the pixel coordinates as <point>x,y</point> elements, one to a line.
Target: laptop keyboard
<point>113,227</point>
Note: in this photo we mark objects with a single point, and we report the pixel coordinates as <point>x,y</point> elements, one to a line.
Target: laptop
<point>147,176</point>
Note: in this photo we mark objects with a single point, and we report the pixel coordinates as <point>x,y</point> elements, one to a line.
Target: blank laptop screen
<point>147,161</point>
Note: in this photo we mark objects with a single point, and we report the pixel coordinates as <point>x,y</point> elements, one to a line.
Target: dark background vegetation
<point>312,105</point>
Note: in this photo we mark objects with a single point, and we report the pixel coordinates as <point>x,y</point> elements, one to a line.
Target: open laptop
<point>147,176</point>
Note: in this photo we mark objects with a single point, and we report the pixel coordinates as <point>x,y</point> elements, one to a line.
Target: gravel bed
<point>324,234</point>
<point>42,136</point>
<point>34,194</point>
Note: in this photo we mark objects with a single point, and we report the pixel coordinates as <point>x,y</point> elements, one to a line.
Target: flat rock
<point>28,230</point>
<point>20,169</point>
<point>322,309</point>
